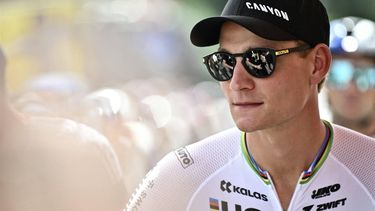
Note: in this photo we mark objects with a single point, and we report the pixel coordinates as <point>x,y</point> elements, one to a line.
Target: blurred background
<point>123,67</point>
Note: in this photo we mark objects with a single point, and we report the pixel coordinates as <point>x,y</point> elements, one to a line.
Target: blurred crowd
<point>124,68</point>
<point>143,119</point>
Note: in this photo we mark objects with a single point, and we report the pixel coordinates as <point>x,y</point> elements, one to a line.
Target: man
<point>282,156</point>
<point>351,81</point>
<point>54,164</point>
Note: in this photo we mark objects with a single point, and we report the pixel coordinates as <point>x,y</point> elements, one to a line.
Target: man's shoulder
<point>220,146</point>
<point>348,143</point>
<point>184,170</point>
<point>345,137</point>
<point>356,152</point>
<point>222,141</point>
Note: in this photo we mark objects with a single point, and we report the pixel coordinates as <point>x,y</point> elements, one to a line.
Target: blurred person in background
<point>111,111</point>
<point>53,94</point>
<point>54,164</point>
<point>281,155</point>
<point>351,81</point>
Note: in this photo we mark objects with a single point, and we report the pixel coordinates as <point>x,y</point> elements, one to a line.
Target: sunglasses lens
<point>260,62</point>
<point>342,73</point>
<point>221,66</point>
<point>365,79</point>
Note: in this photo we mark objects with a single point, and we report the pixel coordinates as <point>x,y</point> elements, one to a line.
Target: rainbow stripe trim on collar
<point>308,174</point>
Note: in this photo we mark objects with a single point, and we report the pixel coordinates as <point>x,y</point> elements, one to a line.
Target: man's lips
<point>247,104</point>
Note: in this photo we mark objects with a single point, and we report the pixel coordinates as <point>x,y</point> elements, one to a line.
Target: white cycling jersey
<point>219,173</point>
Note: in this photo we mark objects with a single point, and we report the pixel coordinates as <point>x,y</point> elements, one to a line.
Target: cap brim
<point>207,31</point>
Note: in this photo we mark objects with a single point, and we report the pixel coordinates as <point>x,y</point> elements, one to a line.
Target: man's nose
<point>241,78</point>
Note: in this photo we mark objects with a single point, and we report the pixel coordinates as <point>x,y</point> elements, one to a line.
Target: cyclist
<point>281,155</point>
<point>351,80</point>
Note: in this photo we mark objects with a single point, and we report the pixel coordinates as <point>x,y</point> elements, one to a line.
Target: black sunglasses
<point>258,62</point>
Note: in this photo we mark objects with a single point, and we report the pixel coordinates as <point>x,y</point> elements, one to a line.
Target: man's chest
<point>237,187</point>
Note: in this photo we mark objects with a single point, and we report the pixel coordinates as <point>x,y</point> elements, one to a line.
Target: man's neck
<point>292,147</point>
<point>286,151</point>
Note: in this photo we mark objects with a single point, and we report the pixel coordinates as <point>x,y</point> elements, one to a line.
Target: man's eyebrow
<point>220,49</point>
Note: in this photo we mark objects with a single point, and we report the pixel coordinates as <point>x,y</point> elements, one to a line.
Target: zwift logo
<point>326,206</point>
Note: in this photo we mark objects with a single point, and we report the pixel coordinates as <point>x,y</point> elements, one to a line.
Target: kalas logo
<point>217,205</point>
<point>229,188</point>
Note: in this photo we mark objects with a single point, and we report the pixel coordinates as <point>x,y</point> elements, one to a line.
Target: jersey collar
<point>308,174</point>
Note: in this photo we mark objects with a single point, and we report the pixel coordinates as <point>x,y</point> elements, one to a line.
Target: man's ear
<point>322,60</point>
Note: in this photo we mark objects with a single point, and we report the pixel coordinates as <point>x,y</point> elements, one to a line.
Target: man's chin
<point>247,126</point>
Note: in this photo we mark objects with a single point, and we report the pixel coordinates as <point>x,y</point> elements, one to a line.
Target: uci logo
<point>217,205</point>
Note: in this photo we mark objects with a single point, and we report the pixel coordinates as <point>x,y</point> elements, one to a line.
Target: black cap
<point>280,20</point>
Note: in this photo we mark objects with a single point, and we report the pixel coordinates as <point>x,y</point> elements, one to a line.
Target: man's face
<point>261,103</point>
<point>349,87</point>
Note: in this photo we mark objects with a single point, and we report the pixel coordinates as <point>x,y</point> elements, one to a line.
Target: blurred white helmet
<point>352,35</point>
<point>111,102</point>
